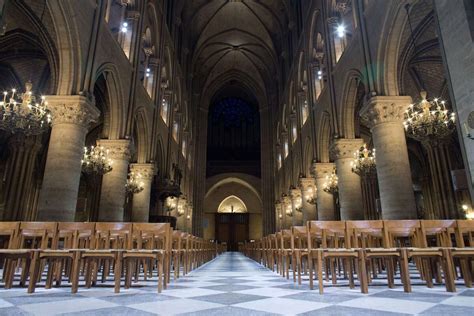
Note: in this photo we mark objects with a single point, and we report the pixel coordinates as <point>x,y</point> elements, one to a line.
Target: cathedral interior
<point>254,157</point>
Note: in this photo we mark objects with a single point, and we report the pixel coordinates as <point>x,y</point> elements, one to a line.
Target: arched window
<point>175,131</point>
<point>164,111</point>
<point>279,161</point>
<point>304,111</point>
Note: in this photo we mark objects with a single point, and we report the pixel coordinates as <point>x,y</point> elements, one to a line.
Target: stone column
<point>324,201</point>
<point>19,180</point>
<point>455,31</point>
<point>308,190</point>
<point>112,196</point>
<point>297,206</point>
<point>385,115</point>
<point>141,201</point>
<point>71,118</point>
<point>350,193</point>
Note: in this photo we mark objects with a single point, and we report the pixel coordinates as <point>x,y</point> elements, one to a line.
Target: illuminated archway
<point>232,204</point>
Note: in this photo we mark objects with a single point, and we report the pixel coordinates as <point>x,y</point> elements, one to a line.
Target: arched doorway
<point>232,222</point>
<point>232,209</point>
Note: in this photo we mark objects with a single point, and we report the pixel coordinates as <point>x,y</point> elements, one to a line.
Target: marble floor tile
<point>282,306</point>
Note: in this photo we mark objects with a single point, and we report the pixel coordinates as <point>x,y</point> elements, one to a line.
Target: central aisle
<point>232,284</point>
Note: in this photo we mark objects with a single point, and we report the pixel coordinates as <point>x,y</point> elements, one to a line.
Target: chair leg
<point>117,271</point>
<point>320,270</point>
<point>310,268</point>
<point>404,271</point>
<point>34,270</point>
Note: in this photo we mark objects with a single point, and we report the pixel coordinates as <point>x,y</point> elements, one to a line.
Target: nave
<point>233,284</point>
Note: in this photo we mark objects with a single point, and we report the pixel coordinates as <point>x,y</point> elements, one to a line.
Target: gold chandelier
<point>134,183</point>
<point>364,161</point>
<point>23,113</point>
<point>96,160</point>
<point>429,120</point>
<point>330,183</point>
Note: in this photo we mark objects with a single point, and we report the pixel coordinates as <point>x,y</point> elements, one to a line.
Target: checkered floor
<point>235,285</point>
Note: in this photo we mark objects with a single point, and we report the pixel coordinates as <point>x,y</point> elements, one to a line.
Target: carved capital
<point>345,148</point>
<point>384,109</point>
<point>72,109</point>
<point>146,170</point>
<point>306,183</point>
<point>119,149</point>
<point>321,170</point>
<point>295,193</point>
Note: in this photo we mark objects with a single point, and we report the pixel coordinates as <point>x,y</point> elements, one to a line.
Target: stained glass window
<point>233,112</point>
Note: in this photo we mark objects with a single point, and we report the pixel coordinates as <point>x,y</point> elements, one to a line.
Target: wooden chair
<point>331,237</point>
<point>110,239</point>
<point>153,242</point>
<point>35,236</point>
<point>464,250</point>
<point>9,253</point>
<point>70,239</point>
<point>299,248</point>
<point>369,236</point>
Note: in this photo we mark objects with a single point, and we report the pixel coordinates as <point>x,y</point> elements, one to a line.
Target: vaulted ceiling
<point>229,39</point>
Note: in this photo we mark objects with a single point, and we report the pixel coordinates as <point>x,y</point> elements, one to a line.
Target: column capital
<point>146,170</point>
<point>119,149</point>
<point>322,169</point>
<point>72,109</point>
<point>345,147</point>
<point>385,109</point>
<point>294,193</point>
<point>305,183</point>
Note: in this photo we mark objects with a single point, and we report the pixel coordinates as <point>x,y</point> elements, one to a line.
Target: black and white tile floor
<point>235,285</point>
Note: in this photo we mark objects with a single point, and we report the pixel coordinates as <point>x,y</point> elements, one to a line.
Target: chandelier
<point>429,120</point>
<point>364,161</point>
<point>134,183</point>
<point>181,206</point>
<point>330,184</point>
<point>96,160</point>
<point>24,112</point>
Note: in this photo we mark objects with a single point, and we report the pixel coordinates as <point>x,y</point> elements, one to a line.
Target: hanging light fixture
<point>134,183</point>
<point>427,120</point>
<point>364,162</point>
<point>24,112</point>
<point>330,183</point>
<point>96,160</point>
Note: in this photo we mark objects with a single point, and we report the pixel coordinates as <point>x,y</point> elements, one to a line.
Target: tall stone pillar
<point>112,197</point>
<point>71,118</point>
<point>455,33</point>
<point>350,193</point>
<point>297,206</point>
<point>385,115</point>
<point>308,192</point>
<point>141,200</point>
<point>19,182</point>
<point>324,201</point>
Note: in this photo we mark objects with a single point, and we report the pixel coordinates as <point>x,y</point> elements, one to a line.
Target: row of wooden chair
<point>441,251</point>
<point>90,250</point>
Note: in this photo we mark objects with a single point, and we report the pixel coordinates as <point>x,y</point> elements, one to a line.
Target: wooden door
<point>232,228</point>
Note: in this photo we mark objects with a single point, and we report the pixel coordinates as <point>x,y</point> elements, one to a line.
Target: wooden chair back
<point>436,233</point>
<point>113,235</point>
<point>38,235</point>
<point>364,234</point>
<point>152,235</point>
<point>401,233</point>
<point>9,234</point>
<point>464,233</point>
<point>331,233</point>
<point>73,235</point>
